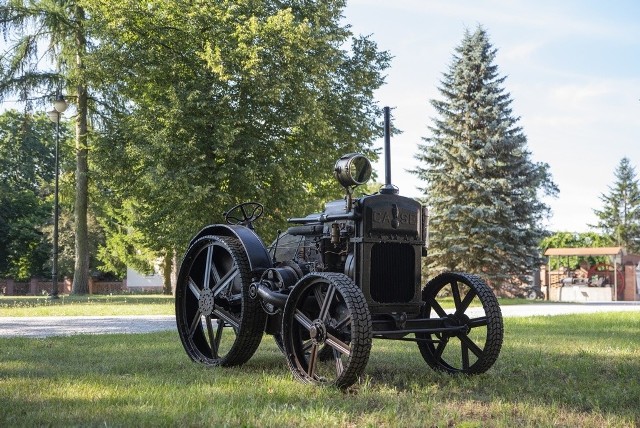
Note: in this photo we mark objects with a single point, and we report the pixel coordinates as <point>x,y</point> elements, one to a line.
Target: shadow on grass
<point>584,364</point>
<point>149,380</point>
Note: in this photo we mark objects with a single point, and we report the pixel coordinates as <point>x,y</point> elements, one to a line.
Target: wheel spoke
<point>194,288</point>
<point>234,220</point>
<point>342,324</point>
<point>338,345</point>
<point>214,271</point>
<point>339,364</point>
<point>223,283</point>
<point>313,358</point>
<point>324,310</point>
<point>212,339</point>
<point>253,213</point>
<point>226,316</point>
<point>197,321</point>
<point>464,305</point>
<point>478,322</point>
<point>207,268</point>
<point>465,356</point>
<point>302,319</point>
<point>470,344</point>
<point>440,348</point>
<point>436,307</point>
<point>456,294</point>
<point>317,291</point>
<point>219,331</point>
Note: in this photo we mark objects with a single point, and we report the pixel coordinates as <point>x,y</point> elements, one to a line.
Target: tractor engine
<point>376,240</point>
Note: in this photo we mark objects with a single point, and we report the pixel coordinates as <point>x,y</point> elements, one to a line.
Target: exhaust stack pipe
<point>388,188</point>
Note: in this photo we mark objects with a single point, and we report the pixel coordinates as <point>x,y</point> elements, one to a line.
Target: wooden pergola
<point>612,252</point>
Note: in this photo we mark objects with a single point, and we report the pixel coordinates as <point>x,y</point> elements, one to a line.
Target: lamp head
<point>54,115</point>
<point>59,104</point>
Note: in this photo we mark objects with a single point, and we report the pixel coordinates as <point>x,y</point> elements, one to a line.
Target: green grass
<point>578,370</point>
<point>141,304</point>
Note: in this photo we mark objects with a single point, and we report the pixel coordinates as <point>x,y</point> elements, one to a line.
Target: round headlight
<point>352,170</point>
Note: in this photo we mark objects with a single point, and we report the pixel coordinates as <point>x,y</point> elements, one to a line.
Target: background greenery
<point>565,371</point>
<point>184,109</point>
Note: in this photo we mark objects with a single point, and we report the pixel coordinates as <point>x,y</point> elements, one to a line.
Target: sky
<point>572,69</point>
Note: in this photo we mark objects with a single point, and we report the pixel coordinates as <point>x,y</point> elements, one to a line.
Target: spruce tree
<point>620,214</point>
<point>481,185</point>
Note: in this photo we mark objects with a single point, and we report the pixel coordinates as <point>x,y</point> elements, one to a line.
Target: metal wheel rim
<point>319,328</point>
<point>476,349</point>
<point>210,302</point>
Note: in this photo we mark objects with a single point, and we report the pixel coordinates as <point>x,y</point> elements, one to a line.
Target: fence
<point>38,287</point>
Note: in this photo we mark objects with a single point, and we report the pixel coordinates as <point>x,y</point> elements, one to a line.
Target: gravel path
<point>63,326</point>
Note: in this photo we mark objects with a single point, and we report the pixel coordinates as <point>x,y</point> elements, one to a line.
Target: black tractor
<point>329,285</point>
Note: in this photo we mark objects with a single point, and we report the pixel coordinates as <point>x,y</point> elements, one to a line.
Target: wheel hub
<point>318,332</point>
<point>458,321</point>
<point>206,302</point>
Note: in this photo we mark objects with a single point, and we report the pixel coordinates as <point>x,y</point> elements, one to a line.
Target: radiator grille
<point>392,273</point>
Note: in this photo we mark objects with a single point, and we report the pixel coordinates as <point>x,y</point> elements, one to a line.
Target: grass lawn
<point>88,305</point>
<point>577,370</point>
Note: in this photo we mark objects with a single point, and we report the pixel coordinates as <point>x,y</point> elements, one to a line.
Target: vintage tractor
<point>329,285</point>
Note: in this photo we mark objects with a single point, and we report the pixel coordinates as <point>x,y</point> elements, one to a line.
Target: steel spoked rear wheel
<point>476,348</point>
<point>326,330</point>
<point>219,324</point>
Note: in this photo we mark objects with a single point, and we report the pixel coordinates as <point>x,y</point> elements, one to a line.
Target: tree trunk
<point>81,271</point>
<point>167,265</point>
<point>174,273</point>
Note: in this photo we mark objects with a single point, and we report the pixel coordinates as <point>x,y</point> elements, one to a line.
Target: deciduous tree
<point>575,240</point>
<point>47,42</point>
<point>227,102</point>
<point>26,174</point>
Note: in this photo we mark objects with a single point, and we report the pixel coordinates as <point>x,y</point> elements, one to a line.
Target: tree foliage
<point>575,240</point>
<point>26,173</point>
<point>47,49</point>
<point>480,182</point>
<point>225,102</point>
<point>195,107</point>
<point>619,217</point>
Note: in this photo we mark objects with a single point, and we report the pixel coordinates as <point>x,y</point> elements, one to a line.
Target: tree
<point>480,182</point>
<point>26,173</point>
<point>59,29</point>
<point>620,214</point>
<point>225,102</point>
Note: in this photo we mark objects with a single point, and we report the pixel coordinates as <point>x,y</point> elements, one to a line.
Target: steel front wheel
<point>326,330</point>
<point>219,324</point>
<point>474,347</point>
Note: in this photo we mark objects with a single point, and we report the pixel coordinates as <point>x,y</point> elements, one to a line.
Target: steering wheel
<point>245,214</point>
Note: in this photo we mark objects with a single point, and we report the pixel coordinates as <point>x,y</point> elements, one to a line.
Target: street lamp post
<point>59,106</point>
